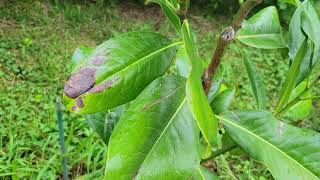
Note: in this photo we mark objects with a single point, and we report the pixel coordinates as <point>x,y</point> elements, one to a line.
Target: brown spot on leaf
<point>99,58</point>
<point>80,82</point>
<point>103,85</point>
<point>74,108</point>
<point>80,103</point>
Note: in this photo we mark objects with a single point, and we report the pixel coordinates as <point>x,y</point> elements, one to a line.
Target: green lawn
<point>37,41</point>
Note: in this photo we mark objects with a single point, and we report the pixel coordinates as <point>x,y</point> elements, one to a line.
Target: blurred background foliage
<point>37,40</point>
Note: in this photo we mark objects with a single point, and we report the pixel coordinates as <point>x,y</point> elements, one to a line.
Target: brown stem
<point>226,36</point>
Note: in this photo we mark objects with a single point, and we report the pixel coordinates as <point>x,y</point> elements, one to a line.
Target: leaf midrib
<point>138,61</point>
<point>163,132</point>
<point>266,142</point>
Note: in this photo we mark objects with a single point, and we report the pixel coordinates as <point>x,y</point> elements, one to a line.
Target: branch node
<point>228,34</point>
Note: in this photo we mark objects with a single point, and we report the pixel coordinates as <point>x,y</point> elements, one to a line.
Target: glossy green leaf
<point>223,100</point>
<point>117,71</point>
<point>157,137</point>
<point>103,123</point>
<point>182,62</point>
<point>305,25</point>
<point>80,55</point>
<point>170,12</point>
<point>302,109</point>
<point>203,173</point>
<point>289,152</point>
<point>257,85</point>
<point>196,96</point>
<point>262,30</point>
<point>292,76</point>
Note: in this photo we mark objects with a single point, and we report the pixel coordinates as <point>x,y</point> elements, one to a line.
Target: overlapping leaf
<point>117,71</point>
<point>305,25</point>
<point>303,108</point>
<point>223,100</point>
<point>289,152</point>
<point>292,77</point>
<point>262,30</point>
<point>157,137</point>
<point>196,97</point>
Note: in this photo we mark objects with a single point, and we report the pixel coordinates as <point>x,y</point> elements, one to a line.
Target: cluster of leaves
<point>151,123</point>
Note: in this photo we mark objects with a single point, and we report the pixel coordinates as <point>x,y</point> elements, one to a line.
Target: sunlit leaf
<point>196,96</point>
<point>288,152</point>
<point>262,30</point>
<point>117,71</point>
<point>157,137</point>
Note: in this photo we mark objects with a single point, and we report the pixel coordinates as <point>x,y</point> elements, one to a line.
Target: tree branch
<point>227,35</point>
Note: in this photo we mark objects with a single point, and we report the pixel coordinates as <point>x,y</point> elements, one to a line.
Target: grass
<point>36,44</point>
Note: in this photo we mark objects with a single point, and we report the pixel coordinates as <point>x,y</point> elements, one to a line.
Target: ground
<point>37,41</point>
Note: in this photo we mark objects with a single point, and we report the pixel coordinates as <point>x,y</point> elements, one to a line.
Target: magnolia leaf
<point>289,152</point>
<point>262,30</point>
<point>170,12</point>
<point>157,137</point>
<point>292,77</point>
<point>196,96</point>
<point>302,109</point>
<point>305,25</point>
<point>223,100</point>
<point>257,84</point>
<point>117,71</point>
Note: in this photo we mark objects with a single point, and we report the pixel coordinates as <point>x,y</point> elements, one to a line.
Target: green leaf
<point>203,173</point>
<point>196,96</point>
<point>80,55</point>
<point>170,12</point>
<point>103,123</point>
<point>257,85</point>
<point>223,100</point>
<point>215,85</point>
<point>157,137</point>
<point>302,109</point>
<point>262,30</point>
<point>293,2</point>
<point>305,25</point>
<point>292,76</point>
<point>117,71</point>
<point>289,152</point>
<point>182,62</point>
